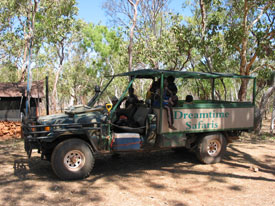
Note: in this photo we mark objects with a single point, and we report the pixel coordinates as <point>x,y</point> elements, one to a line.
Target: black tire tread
<point>200,153</point>
<point>65,144</point>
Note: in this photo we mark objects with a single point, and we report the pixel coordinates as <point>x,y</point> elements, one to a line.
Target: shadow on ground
<point>138,163</point>
<point>27,176</point>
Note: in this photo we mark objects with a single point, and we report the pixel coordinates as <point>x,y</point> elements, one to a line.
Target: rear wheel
<point>211,148</point>
<point>72,159</point>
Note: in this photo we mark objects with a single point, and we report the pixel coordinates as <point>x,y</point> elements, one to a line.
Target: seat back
<point>141,115</point>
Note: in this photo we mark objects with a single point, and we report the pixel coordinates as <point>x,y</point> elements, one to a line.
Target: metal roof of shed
<point>10,89</point>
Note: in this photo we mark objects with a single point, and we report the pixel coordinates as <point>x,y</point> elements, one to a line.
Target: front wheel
<point>72,159</point>
<point>211,148</point>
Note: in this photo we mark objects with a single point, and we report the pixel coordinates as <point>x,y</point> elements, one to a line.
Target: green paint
<point>198,104</point>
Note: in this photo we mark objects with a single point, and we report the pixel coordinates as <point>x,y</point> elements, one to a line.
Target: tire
<point>211,148</point>
<point>72,159</point>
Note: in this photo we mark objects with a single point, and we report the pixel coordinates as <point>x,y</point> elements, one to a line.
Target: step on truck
<point>130,123</point>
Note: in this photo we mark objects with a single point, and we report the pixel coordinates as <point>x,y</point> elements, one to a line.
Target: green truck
<point>72,141</point>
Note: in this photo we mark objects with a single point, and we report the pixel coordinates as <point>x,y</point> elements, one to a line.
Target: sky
<point>91,10</point>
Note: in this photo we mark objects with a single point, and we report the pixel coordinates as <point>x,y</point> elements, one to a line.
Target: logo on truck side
<point>204,120</point>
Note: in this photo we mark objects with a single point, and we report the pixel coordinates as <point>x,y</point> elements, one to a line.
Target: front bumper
<point>35,134</point>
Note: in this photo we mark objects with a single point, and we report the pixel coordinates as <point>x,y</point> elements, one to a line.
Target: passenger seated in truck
<point>172,88</point>
<point>114,101</point>
<point>120,118</point>
<point>132,99</point>
<point>155,93</point>
<point>189,99</point>
<point>170,99</point>
<point>152,94</point>
<point>125,116</point>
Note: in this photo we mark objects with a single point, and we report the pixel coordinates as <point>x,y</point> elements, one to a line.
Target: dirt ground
<point>246,176</point>
<point>160,178</point>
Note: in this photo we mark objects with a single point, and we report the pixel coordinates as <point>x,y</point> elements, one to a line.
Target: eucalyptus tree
<point>27,24</point>
<point>58,26</point>
<point>150,32</point>
<point>265,90</point>
<point>247,31</point>
<point>108,53</point>
<point>125,13</point>
<point>200,45</point>
<point>250,32</point>
<point>17,31</point>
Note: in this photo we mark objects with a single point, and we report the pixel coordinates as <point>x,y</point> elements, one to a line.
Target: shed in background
<point>13,99</point>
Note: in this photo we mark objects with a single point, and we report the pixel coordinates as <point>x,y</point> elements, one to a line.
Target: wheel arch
<point>199,136</point>
<point>83,137</point>
<point>50,146</point>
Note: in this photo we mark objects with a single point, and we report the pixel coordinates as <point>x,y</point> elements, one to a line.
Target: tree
<point>110,53</point>
<point>250,31</point>
<point>246,33</point>
<point>131,35</point>
<point>272,123</point>
<point>265,83</point>
<point>59,24</point>
<point>27,24</point>
<point>124,12</point>
<point>24,14</point>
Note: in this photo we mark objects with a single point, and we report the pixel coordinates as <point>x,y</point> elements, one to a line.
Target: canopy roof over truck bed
<point>149,73</point>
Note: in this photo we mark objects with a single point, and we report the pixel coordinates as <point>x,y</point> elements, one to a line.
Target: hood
<point>55,119</point>
<point>82,117</point>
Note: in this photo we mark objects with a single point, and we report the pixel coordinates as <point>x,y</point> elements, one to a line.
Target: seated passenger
<point>172,88</point>
<point>132,99</point>
<point>189,99</point>
<point>155,93</point>
<point>125,116</point>
<point>114,100</point>
<point>168,102</point>
<point>119,112</point>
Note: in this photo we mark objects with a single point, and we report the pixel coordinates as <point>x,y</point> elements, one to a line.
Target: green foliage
<point>96,51</point>
<point>52,21</point>
<point>106,44</point>
<point>8,73</point>
<point>165,41</point>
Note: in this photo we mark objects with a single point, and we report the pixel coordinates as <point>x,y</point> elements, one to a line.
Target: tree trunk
<point>243,90</point>
<point>203,19</point>
<point>262,107</point>
<point>246,65</point>
<point>29,37</point>
<point>243,69</point>
<point>272,125</point>
<point>54,92</point>
<point>130,47</point>
<point>203,32</point>
<point>24,66</point>
<point>61,55</point>
<point>83,100</point>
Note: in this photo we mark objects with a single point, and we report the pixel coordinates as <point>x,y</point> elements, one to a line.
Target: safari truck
<point>72,141</point>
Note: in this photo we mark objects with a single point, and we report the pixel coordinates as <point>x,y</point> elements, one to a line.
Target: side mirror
<point>97,89</point>
<point>109,107</point>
